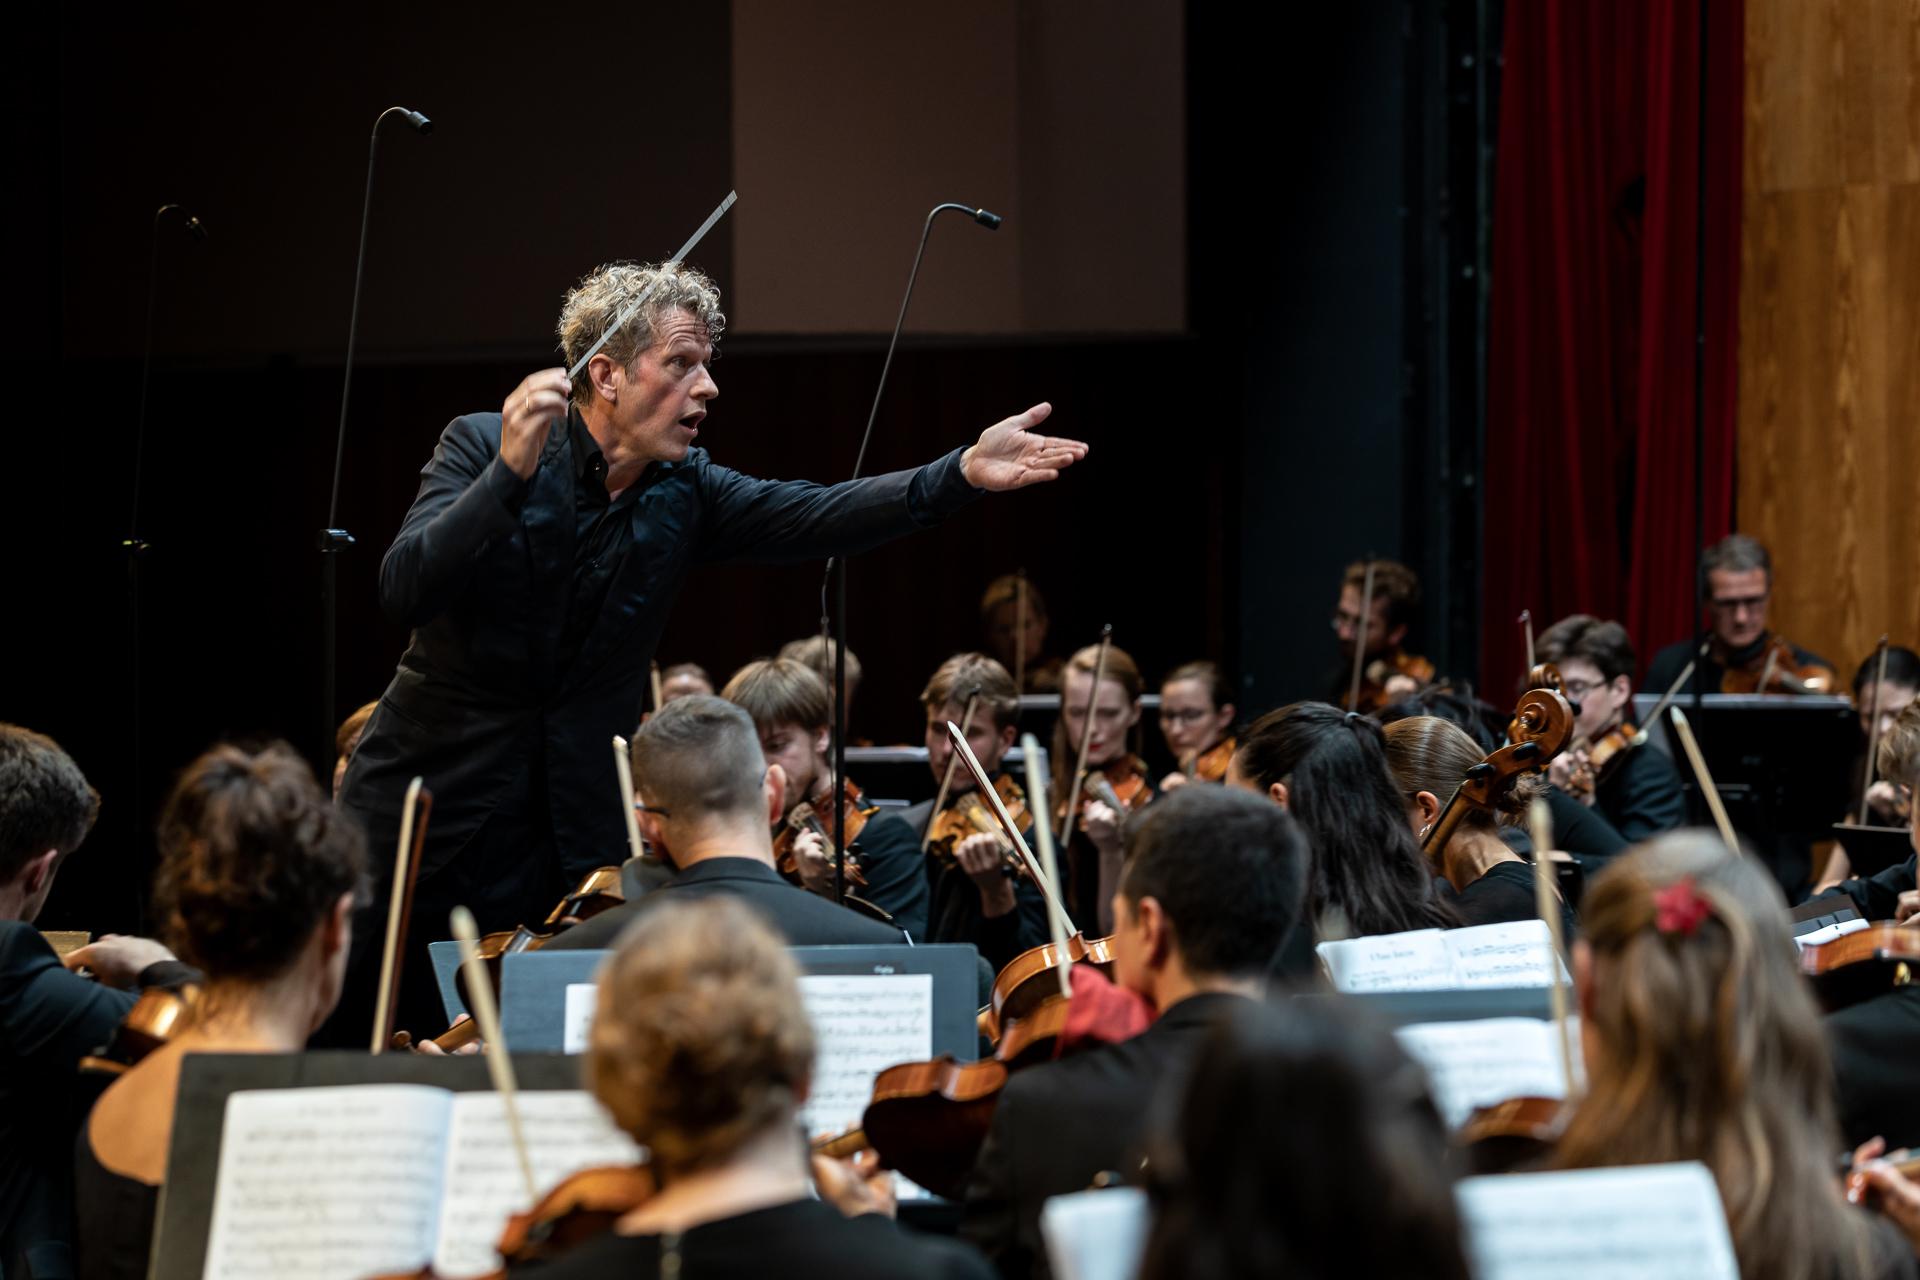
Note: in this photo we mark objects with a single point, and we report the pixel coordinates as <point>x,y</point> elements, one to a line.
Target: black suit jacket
<point>1060,1125</point>
<point>1672,660</point>
<point>49,1020</point>
<point>482,570</point>
<point>804,919</point>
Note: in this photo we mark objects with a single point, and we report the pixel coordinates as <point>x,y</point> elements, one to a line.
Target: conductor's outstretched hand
<point>1011,455</point>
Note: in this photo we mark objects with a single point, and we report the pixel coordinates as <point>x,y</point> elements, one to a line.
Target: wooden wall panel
<point>1828,464</point>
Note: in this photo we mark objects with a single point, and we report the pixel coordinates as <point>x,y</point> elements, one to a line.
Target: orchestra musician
<point>701,1050</point>
<point>1246,1181</point>
<point>1736,586</point>
<point>346,739</point>
<point>790,704</point>
<point>1486,881</point>
<point>1702,1042</point>
<point>1328,768</point>
<point>1013,617</point>
<point>1196,718</point>
<point>975,896</point>
<point>1115,781</point>
<point>1211,890</point>
<point>707,800</point>
<point>817,653</point>
<point>1633,790</point>
<point>256,885</point>
<point>1379,626</point>
<point>537,567</point>
<point>684,679</point>
<point>50,1017</point>
<point>1878,699</point>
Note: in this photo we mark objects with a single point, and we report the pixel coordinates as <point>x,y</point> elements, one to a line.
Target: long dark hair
<point>1246,1181</point>
<point>1365,859</point>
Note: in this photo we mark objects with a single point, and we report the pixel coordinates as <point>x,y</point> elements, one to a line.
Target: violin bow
<point>1086,734</point>
<point>1020,632</point>
<point>946,781</point>
<point>1547,898</point>
<point>1684,728</point>
<point>1043,836</point>
<point>1673,691</point>
<point>487,1014</point>
<point>1873,732</point>
<point>406,874</point>
<point>1005,819</point>
<point>623,771</point>
<point>1360,629</point>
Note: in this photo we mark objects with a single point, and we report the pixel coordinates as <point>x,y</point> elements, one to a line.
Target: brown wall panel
<point>1828,469</point>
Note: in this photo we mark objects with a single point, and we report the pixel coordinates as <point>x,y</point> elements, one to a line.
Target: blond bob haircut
<point>697,1049</point>
<point>606,291</point>
<point>778,692</point>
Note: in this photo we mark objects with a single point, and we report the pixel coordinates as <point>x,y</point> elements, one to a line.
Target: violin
<point>1031,977</point>
<point>854,814</point>
<point>1863,963</point>
<point>1376,674</point>
<point>1773,668</point>
<point>1512,1134</point>
<point>970,816</point>
<point>1211,765</point>
<point>158,1014</point>
<point>1120,784</point>
<point>1599,758</point>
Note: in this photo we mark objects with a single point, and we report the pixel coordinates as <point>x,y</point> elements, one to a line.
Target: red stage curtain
<point>1590,435</point>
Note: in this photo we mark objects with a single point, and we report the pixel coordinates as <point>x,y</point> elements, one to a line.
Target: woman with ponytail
<point>1702,1042</point>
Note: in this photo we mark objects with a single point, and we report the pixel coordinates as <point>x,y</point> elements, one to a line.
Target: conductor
<point>536,569</point>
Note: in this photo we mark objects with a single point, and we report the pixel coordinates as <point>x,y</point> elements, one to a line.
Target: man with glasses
<point>707,803</point>
<point>1736,584</point>
<point>1379,626</point>
<point>1634,790</point>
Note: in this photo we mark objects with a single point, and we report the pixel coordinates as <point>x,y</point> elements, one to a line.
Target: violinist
<point>1246,1181</point>
<point>1114,781</point>
<point>1702,1042</point>
<point>975,895</point>
<point>707,801</point>
<point>701,1049</point>
<point>1634,790</point>
<point>256,886</point>
<point>684,679</point>
<point>1487,882</point>
<point>1878,699</point>
<point>49,1017</point>
<point>1013,616</point>
<point>1328,768</point>
<point>790,705</point>
<point>1210,892</point>
<point>1196,718</point>
<point>1379,626</point>
<point>1736,584</point>
<point>817,653</point>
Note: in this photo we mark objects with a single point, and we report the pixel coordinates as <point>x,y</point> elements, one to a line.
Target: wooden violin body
<point>1121,785</point>
<point>1601,757</point>
<point>855,813</point>
<point>970,815</point>
<point>1773,669</point>
<point>1211,765</point>
<point>1032,976</point>
<point>1380,670</point>
<point>158,1014</point>
<point>1511,1135</point>
<point>1863,963</point>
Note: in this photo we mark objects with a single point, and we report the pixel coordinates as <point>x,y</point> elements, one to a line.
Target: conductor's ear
<point>604,373</point>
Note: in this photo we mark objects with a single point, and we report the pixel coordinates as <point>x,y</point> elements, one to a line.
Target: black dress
<point>800,1240</point>
<point>115,1219</point>
<point>1504,894</point>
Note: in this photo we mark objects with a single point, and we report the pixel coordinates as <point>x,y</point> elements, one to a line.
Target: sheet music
<point>317,1184</point>
<point>1478,1063</point>
<point>567,1130</point>
<point>1653,1222</point>
<point>1517,953</point>
<point>582,997</point>
<point>1095,1235</point>
<point>865,1023</point>
<point>1829,932</point>
<point>1417,960</point>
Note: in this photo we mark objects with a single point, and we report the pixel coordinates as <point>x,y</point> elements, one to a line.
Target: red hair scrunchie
<point>1680,908</point>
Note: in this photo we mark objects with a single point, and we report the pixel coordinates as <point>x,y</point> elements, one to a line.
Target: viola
<point>158,1014</point>
<point>1863,963</point>
<point>1773,668</point>
<point>970,816</point>
<point>854,815</point>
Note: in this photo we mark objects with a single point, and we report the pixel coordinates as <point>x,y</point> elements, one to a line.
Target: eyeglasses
<point>1738,604</point>
<point>641,806</point>
<point>1578,689</point>
<point>1182,715</point>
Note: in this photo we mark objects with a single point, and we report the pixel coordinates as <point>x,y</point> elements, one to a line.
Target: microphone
<point>333,539</point>
<point>838,632</point>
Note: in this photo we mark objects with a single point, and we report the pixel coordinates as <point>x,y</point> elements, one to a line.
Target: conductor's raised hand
<point>1011,455</point>
<point>528,414</point>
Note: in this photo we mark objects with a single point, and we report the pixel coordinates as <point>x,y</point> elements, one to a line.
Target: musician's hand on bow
<point>1102,826</point>
<point>815,863</point>
<point>1011,455</point>
<point>1892,1192</point>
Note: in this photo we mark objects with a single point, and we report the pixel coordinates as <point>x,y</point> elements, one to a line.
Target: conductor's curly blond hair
<point>700,1042</point>
<point>606,291</point>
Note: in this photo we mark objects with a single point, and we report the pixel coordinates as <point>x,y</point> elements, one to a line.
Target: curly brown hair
<point>252,858</point>
<point>697,1049</point>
